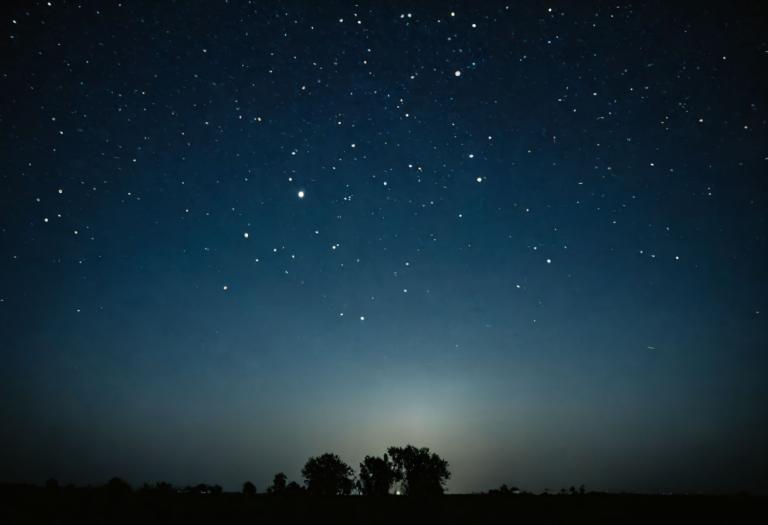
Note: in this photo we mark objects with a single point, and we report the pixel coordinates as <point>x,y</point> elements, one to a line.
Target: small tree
<point>117,487</point>
<point>423,473</point>
<point>327,475</point>
<point>376,475</point>
<point>278,484</point>
<point>249,489</point>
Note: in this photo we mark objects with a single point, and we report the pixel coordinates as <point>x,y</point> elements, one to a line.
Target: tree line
<point>419,472</point>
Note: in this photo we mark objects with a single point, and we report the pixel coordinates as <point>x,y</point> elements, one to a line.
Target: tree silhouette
<point>202,489</point>
<point>504,490</point>
<point>294,489</point>
<point>117,487</point>
<point>377,475</point>
<point>278,484</point>
<point>423,473</point>
<point>327,475</point>
<point>249,489</point>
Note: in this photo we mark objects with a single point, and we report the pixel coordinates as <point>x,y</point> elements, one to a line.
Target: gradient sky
<point>529,236</point>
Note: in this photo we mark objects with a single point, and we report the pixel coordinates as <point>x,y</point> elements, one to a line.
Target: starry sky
<point>530,236</point>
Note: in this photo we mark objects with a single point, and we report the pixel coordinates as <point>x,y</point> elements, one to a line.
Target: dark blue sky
<point>529,236</point>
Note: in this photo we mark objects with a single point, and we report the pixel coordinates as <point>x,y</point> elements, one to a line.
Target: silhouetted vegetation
<point>294,489</point>
<point>503,490</point>
<point>117,487</point>
<point>249,489</point>
<point>328,475</point>
<point>160,487</point>
<point>325,497</point>
<point>202,489</point>
<point>422,473</point>
<point>278,484</point>
<point>377,474</point>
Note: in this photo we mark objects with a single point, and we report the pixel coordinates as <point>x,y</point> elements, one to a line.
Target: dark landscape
<point>26,504</point>
<point>405,485</point>
<point>378,261</point>
<point>35,505</point>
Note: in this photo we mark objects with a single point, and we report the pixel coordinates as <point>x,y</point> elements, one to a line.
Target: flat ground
<point>37,505</point>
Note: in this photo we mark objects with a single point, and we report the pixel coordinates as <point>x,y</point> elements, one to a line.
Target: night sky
<point>530,236</point>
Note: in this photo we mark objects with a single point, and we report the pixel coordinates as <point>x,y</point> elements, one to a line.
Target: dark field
<point>38,505</point>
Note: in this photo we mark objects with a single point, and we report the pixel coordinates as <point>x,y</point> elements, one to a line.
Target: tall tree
<point>327,475</point>
<point>423,473</point>
<point>377,475</point>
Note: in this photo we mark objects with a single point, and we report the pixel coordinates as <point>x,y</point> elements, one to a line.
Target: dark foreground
<point>82,506</point>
